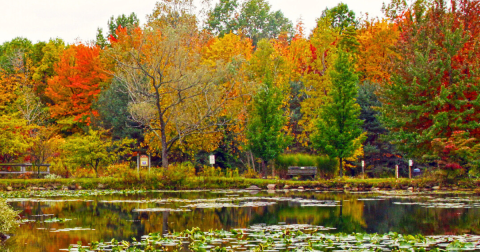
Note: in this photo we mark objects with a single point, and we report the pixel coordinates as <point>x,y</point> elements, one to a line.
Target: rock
<point>300,188</point>
<point>72,187</point>
<point>64,188</point>
<point>9,188</point>
<point>455,188</point>
<point>355,189</point>
<point>253,187</point>
<point>33,188</point>
<point>101,186</point>
<point>286,187</point>
<point>42,189</point>
<point>410,188</point>
<point>346,187</point>
<point>375,189</point>
<point>271,186</point>
<point>79,187</point>
<point>436,188</point>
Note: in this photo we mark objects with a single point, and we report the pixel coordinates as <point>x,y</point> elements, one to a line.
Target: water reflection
<point>104,221</point>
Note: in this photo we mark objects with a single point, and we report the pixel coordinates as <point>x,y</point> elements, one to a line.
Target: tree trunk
<point>164,144</point>
<point>264,167</point>
<point>341,167</point>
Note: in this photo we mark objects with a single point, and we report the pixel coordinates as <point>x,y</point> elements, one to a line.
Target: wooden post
<point>363,168</point>
<point>410,163</point>
<point>396,171</point>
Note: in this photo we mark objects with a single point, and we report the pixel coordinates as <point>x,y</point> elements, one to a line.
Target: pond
<point>54,221</point>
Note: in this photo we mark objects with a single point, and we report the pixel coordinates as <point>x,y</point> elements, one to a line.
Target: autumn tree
<point>76,85</point>
<point>173,92</point>
<point>338,126</point>
<point>434,87</point>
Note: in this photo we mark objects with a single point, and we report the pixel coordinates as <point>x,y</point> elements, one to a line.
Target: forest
<point>246,84</point>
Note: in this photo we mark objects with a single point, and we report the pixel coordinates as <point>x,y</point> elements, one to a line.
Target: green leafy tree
<point>265,135</point>
<point>341,16</point>
<point>95,149</point>
<point>338,125</point>
<point>253,18</point>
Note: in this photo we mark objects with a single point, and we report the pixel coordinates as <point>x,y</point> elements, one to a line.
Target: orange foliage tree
<point>79,75</point>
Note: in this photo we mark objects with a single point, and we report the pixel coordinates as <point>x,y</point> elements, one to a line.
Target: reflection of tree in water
<point>347,217</point>
<point>384,217</point>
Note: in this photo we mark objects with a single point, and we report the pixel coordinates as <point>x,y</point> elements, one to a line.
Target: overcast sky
<point>72,20</point>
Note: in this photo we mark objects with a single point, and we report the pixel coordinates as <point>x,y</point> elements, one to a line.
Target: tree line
<point>247,85</point>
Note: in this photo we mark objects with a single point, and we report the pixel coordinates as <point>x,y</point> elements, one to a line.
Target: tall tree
<point>340,16</point>
<point>338,125</point>
<point>173,90</point>
<point>80,73</point>
<point>439,95</point>
<point>253,18</point>
<point>266,138</point>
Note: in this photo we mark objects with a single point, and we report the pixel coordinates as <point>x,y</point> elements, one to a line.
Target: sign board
<point>212,159</point>
<point>143,160</point>
<point>410,162</point>
<point>363,164</point>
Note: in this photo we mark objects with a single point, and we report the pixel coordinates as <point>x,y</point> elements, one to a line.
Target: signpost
<point>144,161</point>
<point>363,168</point>
<point>410,164</point>
<point>212,159</point>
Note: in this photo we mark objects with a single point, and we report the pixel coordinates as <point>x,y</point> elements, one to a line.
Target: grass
<point>198,182</point>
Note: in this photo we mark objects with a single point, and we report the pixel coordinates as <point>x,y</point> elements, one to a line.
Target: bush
<point>327,166</point>
<point>8,218</point>
<point>176,174</point>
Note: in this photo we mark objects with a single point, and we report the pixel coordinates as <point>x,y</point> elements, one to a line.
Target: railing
<point>23,168</point>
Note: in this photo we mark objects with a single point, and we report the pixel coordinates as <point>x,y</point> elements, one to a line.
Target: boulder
<point>101,186</point>
<point>72,187</point>
<point>436,188</point>
<point>286,187</point>
<point>410,188</point>
<point>253,187</point>
<point>9,188</point>
<point>271,186</point>
<point>301,188</point>
<point>42,189</point>
<point>79,187</point>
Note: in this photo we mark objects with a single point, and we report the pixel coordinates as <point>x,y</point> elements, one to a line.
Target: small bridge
<point>19,168</point>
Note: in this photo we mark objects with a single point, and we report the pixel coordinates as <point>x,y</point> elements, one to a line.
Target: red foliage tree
<point>79,75</point>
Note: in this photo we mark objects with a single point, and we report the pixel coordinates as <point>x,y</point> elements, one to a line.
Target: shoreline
<point>348,184</point>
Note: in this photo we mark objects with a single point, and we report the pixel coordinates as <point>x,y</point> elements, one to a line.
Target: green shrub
<point>8,218</point>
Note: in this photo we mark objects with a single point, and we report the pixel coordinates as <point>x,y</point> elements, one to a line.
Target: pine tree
<point>338,124</point>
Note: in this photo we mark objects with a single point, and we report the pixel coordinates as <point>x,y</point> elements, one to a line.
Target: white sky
<point>40,20</point>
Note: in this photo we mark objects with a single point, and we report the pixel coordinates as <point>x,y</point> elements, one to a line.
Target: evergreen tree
<point>265,136</point>
<point>338,124</point>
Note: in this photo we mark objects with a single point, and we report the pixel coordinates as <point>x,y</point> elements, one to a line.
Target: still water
<point>54,222</point>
